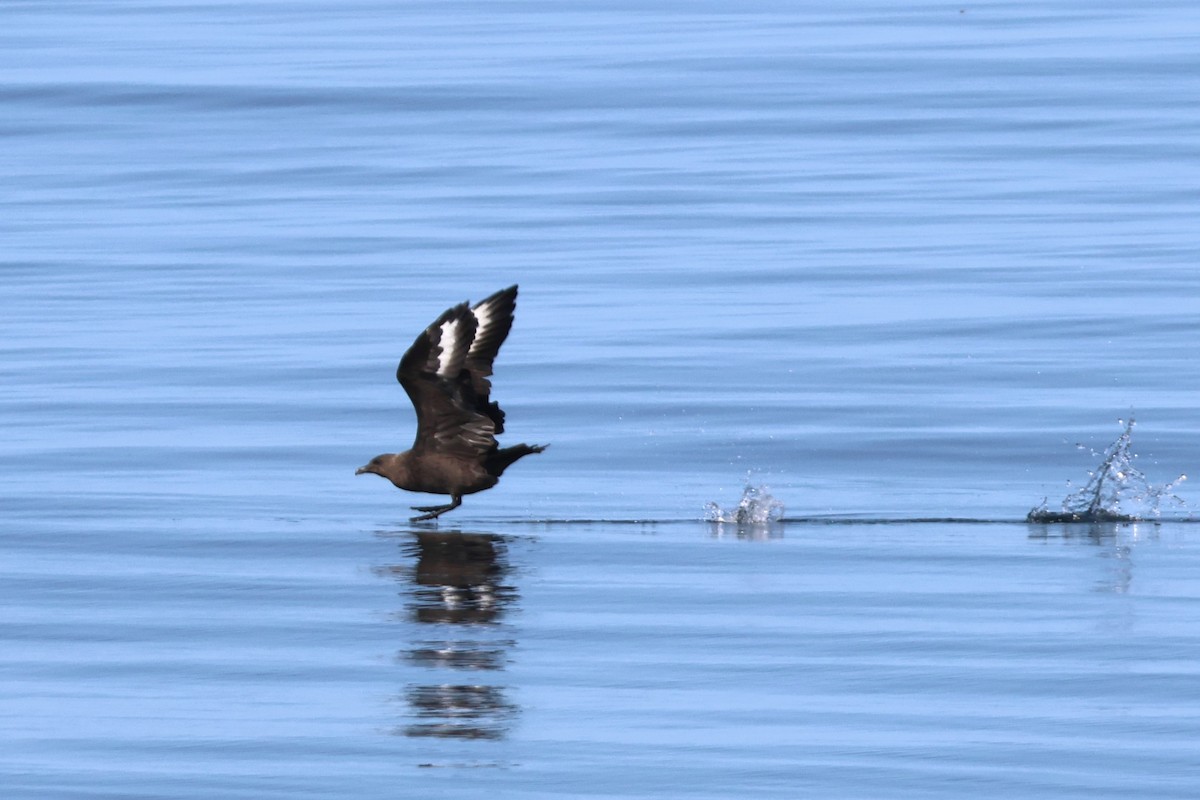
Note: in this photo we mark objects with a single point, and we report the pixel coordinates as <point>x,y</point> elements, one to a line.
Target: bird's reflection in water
<point>458,597</point>
<point>460,711</point>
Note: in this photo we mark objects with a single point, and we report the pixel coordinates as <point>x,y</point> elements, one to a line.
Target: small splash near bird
<point>1117,491</point>
<point>757,507</point>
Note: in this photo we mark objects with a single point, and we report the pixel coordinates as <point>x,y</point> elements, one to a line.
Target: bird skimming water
<point>445,373</point>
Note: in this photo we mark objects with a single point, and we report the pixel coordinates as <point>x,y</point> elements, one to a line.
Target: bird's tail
<point>503,458</point>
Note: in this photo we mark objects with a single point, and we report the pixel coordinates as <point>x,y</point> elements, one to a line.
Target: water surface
<point>891,263</point>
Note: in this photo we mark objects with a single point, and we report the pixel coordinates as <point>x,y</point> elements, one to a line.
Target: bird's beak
<point>361,470</point>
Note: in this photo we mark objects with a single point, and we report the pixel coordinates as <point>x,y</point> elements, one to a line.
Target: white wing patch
<point>450,342</point>
<point>484,316</point>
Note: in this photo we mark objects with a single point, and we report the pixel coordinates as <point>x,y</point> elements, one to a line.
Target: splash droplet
<point>1117,491</point>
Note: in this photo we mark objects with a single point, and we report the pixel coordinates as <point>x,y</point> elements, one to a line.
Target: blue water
<point>893,263</point>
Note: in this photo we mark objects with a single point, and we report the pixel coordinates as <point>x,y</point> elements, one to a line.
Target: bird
<point>445,373</point>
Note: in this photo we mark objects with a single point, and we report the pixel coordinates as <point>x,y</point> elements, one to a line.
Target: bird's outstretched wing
<point>446,371</point>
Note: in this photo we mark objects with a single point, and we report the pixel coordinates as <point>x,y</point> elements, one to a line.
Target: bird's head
<point>375,465</point>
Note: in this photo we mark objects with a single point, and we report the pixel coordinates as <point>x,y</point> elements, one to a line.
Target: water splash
<point>757,507</point>
<point>1115,492</point>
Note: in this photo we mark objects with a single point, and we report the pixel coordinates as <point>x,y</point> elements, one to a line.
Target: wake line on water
<point>1116,492</point>
<point>829,521</point>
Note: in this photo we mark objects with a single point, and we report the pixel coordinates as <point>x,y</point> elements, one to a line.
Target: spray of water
<point>1117,491</point>
<point>757,507</point>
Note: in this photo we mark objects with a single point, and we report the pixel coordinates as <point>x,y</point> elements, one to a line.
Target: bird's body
<point>445,374</point>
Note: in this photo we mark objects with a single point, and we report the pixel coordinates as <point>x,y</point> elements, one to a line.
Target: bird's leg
<point>433,512</point>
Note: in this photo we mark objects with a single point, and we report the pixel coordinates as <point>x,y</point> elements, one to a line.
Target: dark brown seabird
<point>445,373</point>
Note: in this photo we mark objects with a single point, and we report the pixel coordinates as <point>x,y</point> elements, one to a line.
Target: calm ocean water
<point>892,262</point>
